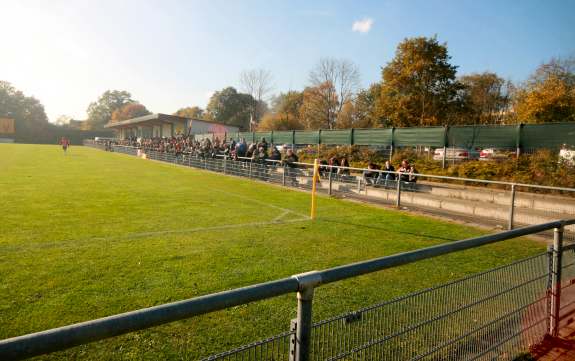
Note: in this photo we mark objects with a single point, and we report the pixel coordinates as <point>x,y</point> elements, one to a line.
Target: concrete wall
<point>166,130</point>
<point>156,131</point>
<point>200,127</point>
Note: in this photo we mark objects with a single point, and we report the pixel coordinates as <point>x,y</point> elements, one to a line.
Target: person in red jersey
<point>65,143</point>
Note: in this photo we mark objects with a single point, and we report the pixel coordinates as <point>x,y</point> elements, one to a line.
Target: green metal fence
<point>551,135</point>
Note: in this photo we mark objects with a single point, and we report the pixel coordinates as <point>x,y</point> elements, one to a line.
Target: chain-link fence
<point>495,314</point>
<point>567,308</point>
<point>502,137</point>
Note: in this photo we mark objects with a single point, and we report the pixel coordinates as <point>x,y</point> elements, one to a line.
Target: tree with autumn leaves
<point>548,95</point>
<point>129,111</point>
<point>420,87</point>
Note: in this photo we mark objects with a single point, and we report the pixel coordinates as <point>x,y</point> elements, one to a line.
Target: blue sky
<point>171,54</point>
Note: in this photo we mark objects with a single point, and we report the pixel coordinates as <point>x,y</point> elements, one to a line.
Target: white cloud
<point>362,26</point>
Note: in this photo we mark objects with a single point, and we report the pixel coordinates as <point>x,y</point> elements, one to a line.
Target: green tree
<point>30,119</point>
<point>285,112</point>
<point>194,112</point>
<point>320,107</point>
<point>228,106</point>
<point>363,111</point>
<point>419,85</point>
<point>100,112</point>
<point>548,95</point>
<point>129,111</point>
<point>486,98</point>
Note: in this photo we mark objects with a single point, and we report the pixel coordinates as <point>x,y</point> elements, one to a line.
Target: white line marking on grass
<point>129,236</point>
<point>284,213</point>
<point>206,229</point>
<point>287,210</point>
<point>231,193</point>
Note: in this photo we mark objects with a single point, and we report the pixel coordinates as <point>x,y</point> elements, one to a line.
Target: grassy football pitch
<point>91,234</point>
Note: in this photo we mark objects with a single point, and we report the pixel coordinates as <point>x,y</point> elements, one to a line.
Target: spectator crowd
<point>262,152</point>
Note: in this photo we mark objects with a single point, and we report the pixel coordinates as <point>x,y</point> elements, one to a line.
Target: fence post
<point>330,181</point>
<point>518,140</point>
<point>250,170</point>
<point>284,176</point>
<point>225,161</point>
<point>511,208</point>
<point>398,200</point>
<point>445,139</point>
<point>307,283</point>
<point>549,282</point>
<point>556,281</point>
<point>358,185</point>
<point>292,340</point>
<point>392,145</point>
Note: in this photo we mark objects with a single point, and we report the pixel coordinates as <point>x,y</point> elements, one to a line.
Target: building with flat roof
<point>164,125</point>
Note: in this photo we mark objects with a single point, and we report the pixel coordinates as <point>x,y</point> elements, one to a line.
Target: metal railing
<point>500,203</point>
<point>420,326</point>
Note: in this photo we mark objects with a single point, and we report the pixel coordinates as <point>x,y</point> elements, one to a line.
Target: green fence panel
<point>259,135</point>
<point>552,135</point>
<point>377,136</point>
<point>249,136</point>
<point>306,137</point>
<point>232,135</point>
<point>283,137</point>
<point>335,137</point>
<point>486,136</point>
<point>429,136</point>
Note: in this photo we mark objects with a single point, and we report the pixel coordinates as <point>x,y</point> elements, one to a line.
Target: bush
<point>541,168</point>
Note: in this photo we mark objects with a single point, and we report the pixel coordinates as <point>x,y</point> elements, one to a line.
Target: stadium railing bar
<point>504,204</point>
<point>481,317</point>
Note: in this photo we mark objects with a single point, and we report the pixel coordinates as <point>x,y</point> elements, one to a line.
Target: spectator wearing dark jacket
<point>275,154</point>
<point>407,172</point>
<point>371,174</point>
<point>290,166</point>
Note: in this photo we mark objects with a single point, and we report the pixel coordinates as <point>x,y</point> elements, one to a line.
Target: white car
<point>456,154</point>
<point>494,154</point>
<point>567,156</point>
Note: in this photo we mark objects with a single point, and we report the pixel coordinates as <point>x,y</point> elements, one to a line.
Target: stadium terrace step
<point>557,204</point>
<point>476,207</point>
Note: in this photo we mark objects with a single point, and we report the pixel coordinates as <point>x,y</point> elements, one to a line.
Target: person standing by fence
<point>290,166</point>
<point>65,143</point>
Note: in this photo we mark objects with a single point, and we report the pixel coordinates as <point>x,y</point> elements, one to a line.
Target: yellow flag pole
<point>313,187</point>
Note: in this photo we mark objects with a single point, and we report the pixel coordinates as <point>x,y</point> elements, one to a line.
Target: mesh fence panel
<point>275,348</point>
<point>567,308</point>
<point>498,312</point>
<point>495,314</point>
<point>432,136</point>
<point>528,136</point>
<point>336,136</point>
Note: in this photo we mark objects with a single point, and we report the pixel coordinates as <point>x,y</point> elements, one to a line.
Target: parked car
<point>495,154</point>
<point>567,155</point>
<point>456,154</point>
